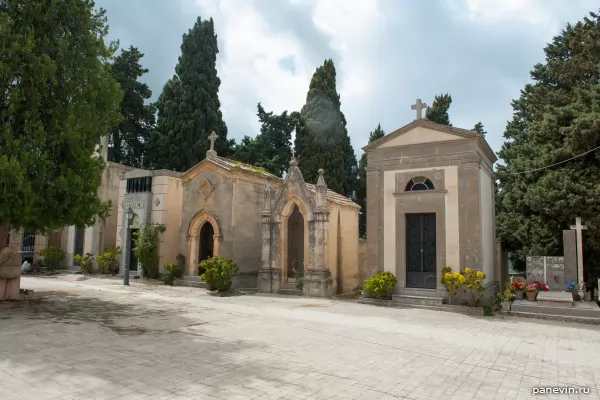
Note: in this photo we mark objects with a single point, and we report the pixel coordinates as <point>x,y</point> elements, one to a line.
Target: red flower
<point>544,287</point>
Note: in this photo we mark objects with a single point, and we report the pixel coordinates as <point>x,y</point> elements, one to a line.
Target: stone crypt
<point>430,204</point>
<point>276,230</point>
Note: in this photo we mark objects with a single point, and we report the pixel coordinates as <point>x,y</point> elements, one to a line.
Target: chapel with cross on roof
<point>275,229</point>
<point>430,205</point>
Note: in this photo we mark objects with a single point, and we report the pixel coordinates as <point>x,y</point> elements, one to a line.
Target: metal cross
<point>418,107</point>
<point>212,137</point>
<point>578,227</point>
<point>142,162</point>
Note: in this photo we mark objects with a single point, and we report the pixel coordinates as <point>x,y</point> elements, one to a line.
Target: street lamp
<point>129,218</point>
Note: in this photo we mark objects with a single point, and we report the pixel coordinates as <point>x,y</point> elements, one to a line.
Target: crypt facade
<point>275,229</point>
<point>430,204</point>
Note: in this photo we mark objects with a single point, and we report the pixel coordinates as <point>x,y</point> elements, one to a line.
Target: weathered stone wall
<point>363,272</point>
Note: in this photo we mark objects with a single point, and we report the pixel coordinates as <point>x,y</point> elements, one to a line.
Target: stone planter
<point>519,295</point>
<point>531,296</point>
<point>506,306</point>
<point>587,296</point>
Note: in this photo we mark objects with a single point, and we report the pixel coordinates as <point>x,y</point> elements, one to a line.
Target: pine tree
<point>129,139</point>
<point>58,100</point>
<point>479,129</point>
<point>189,106</point>
<point>322,140</point>
<point>555,119</point>
<point>438,112</point>
<point>271,149</point>
<point>361,183</point>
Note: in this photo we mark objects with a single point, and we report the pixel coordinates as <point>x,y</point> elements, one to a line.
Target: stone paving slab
<point>96,339</point>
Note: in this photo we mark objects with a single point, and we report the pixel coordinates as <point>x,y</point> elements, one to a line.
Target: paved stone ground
<point>96,339</point>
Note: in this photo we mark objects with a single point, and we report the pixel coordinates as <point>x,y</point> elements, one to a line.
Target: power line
<point>549,166</point>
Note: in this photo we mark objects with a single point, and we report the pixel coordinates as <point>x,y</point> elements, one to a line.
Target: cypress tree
<point>438,112</point>
<point>361,183</point>
<point>555,119</point>
<point>128,141</point>
<point>58,100</point>
<point>189,106</point>
<point>322,140</point>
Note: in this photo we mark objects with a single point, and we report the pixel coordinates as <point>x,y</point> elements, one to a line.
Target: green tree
<point>438,112</point>
<point>271,149</point>
<point>129,139</point>
<point>555,119</point>
<point>189,106</point>
<point>58,100</point>
<point>322,140</point>
<point>361,183</point>
<point>479,129</point>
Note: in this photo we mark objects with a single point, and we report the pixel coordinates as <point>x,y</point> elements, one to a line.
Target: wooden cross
<point>212,137</point>
<point>418,107</point>
<point>578,227</point>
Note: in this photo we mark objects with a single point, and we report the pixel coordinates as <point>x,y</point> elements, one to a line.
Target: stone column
<point>318,281</point>
<point>269,276</point>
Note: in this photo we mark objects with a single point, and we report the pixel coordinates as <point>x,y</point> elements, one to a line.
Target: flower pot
<point>531,296</point>
<point>506,306</point>
<point>519,295</point>
<point>587,296</point>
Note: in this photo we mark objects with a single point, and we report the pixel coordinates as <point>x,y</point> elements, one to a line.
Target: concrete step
<point>419,292</point>
<point>290,292</point>
<point>417,300</point>
<point>195,278</point>
<point>579,309</point>
<point>190,283</point>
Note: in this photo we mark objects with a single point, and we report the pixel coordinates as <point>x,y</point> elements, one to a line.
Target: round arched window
<point>419,183</point>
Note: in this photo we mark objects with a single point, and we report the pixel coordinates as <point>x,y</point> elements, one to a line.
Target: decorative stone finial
<point>321,171</point>
<point>320,179</point>
<point>293,161</point>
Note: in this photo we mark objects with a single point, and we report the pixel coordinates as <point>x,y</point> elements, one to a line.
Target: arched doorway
<point>206,248</point>
<point>295,245</point>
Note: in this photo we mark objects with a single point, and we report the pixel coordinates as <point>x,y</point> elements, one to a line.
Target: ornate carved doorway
<point>207,234</point>
<point>295,245</point>
<point>421,251</point>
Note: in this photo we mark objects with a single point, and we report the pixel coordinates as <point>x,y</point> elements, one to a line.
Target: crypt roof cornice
<point>462,133</point>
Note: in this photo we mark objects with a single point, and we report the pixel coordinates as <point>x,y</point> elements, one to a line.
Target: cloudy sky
<point>387,53</point>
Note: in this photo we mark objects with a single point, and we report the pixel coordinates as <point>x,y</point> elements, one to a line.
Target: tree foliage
<point>557,117</point>
<point>438,112</point>
<point>128,140</point>
<point>361,183</point>
<point>189,107</point>
<point>271,149</point>
<point>479,129</point>
<point>322,140</point>
<point>58,100</point>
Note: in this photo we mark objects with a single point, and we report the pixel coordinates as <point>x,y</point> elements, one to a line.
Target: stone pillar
<point>570,255</point>
<point>318,281</point>
<point>269,275</point>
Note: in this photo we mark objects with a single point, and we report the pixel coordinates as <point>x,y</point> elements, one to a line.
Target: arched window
<point>419,183</point>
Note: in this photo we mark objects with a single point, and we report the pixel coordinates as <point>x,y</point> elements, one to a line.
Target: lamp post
<point>128,217</point>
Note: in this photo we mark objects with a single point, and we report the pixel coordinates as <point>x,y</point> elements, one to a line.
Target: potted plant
<point>531,289</point>
<point>506,297</point>
<point>519,290</point>
<point>543,287</point>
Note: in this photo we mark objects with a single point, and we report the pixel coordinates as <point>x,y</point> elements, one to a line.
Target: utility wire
<point>549,166</point>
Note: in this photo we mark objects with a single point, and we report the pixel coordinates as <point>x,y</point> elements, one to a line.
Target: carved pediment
<point>206,189</point>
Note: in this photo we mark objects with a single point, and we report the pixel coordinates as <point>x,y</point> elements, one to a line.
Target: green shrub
<point>146,249</point>
<point>52,257</point>
<point>173,272</point>
<point>85,263</point>
<point>380,285</point>
<point>490,306</point>
<point>218,272</point>
<point>108,262</point>
<point>298,278</point>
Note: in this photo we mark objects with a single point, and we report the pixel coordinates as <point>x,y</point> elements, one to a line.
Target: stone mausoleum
<point>274,229</point>
<point>430,204</point>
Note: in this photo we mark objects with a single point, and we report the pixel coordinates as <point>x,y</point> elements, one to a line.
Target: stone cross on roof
<point>212,137</point>
<point>294,153</point>
<point>418,107</point>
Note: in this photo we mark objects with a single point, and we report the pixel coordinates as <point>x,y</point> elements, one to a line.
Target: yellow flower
<point>457,274</point>
<point>462,279</point>
<point>448,275</point>
<point>467,270</point>
<point>480,274</point>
